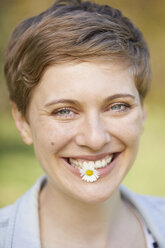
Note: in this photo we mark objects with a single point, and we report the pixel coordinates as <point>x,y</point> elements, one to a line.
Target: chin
<point>95,193</point>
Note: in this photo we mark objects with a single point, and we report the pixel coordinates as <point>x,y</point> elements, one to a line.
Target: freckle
<point>52,143</point>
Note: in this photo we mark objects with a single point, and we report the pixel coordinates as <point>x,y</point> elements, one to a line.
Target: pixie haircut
<point>73,31</point>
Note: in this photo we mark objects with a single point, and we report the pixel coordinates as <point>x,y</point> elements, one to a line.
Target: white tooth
<point>91,163</point>
<point>103,162</point>
<point>71,161</point>
<point>84,164</point>
<point>75,162</point>
<point>109,159</point>
<point>80,164</point>
<point>97,164</point>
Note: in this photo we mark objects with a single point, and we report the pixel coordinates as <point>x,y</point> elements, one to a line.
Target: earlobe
<point>22,125</point>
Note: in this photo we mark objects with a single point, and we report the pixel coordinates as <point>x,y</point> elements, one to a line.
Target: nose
<point>93,134</point>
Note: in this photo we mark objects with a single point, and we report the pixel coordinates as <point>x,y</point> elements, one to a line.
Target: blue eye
<point>120,107</point>
<point>64,113</point>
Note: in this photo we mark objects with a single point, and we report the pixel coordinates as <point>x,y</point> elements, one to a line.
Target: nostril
<point>93,140</point>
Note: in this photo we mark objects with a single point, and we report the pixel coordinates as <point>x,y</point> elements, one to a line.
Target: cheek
<point>129,129</point>
<point>136,125</point>
<point>52,136</point>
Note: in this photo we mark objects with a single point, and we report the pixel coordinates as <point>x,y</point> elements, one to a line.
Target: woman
<point>77,76</point>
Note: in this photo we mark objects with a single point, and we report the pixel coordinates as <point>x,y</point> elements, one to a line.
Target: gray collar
<point>23,230</point>
<point>152,209</point>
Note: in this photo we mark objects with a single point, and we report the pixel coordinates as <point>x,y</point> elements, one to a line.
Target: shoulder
<point>151,203</point>
<point>152,209</point>
<point>158,203</point>
<point>16,219</point>
<point>5,214</point>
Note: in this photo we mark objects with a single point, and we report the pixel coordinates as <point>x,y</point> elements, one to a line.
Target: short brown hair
<point>72,30</point>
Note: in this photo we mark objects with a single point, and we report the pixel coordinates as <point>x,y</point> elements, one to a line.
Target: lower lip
<point>102,171</point>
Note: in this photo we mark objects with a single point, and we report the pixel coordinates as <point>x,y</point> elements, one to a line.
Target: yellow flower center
<point>89,172</point>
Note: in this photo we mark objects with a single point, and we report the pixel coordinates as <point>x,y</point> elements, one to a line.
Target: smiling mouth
<point>97,164</point>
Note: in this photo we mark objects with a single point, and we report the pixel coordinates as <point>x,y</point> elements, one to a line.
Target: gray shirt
<point>19,223</point>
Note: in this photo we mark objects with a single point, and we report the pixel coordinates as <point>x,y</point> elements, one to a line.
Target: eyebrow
<point>108,99</point>
<point>62,101</point>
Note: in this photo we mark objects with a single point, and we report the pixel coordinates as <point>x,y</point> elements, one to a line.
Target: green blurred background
<point>18,166</point>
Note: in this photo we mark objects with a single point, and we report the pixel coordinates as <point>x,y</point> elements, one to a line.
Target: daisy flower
<point>88,173</point>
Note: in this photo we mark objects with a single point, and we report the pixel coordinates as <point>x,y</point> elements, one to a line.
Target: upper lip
<point>91,157</point>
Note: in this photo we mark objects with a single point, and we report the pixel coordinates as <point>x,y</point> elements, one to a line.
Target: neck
<point>62,214</point>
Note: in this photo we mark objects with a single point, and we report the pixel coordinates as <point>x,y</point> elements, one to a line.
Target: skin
<point>77,111</point>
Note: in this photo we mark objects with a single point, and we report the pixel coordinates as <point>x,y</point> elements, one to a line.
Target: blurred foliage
<point>18,168</point>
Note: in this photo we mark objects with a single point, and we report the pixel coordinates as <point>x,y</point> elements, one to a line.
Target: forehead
<point>86,79</point>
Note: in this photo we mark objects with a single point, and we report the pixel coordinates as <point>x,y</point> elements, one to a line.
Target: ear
<point>22,125</point>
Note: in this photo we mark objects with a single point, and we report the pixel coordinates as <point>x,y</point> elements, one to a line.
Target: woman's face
<point>86,113</point>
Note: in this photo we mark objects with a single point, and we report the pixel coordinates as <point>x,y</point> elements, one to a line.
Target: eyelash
<point>125,105</point>
<point>64,115</point>
<point>71,114</point>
